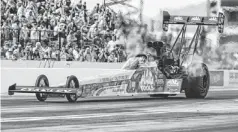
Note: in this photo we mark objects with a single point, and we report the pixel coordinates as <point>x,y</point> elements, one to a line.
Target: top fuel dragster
<point>167,77</point>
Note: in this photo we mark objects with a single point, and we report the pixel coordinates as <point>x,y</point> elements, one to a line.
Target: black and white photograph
<point>119,65</point>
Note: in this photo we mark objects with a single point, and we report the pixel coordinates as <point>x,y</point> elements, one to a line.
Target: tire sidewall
<point>195,87</point>
<point>37,84</point>
<point>69,80</point>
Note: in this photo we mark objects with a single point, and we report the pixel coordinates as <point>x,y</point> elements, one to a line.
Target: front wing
<point>50,90</point>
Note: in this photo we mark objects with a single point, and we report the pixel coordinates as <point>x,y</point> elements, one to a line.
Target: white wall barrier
<point>232,78</point>
<point>224,78</point>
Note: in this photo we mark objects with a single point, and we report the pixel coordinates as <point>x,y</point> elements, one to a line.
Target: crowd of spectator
<point>59,29</point>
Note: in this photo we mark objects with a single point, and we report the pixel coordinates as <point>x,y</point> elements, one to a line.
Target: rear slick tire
<point>72,82</point>
<point>198,86</point>
<point>42,81</point>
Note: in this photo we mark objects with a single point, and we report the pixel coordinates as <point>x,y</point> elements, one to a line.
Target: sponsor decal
<point>91,89</point>
<point>64,91</point>
<point>212,19</point>
<point>173,83</point>
<point>111,90</point>
<point>147,81</point>
<point>160,81</point>
<point>116,90</point>
<point>117,78</point>
<point>217,78</point>
<point>196,19</point>
<point>100,91</point>
<point>178,18</point>
<point>233,78</point>
<point>45,90</point>
<point>173,89</point>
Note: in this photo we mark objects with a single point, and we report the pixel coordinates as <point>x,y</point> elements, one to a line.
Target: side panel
<point>148,80</point>
<point>152,81</point>
<point>106,89</point>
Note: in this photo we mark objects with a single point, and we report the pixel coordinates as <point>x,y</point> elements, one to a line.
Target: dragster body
<point>145,80</point>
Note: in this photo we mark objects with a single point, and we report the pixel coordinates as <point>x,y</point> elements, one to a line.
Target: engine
<point>165,59</point>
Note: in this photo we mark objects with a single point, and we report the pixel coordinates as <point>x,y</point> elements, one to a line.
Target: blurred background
<point>110,30</point>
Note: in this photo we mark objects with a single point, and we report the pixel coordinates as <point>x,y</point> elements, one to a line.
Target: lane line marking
<point>22,119</point>
<point>144,111</point>
<point>157,124</point>
<point>30,108</point>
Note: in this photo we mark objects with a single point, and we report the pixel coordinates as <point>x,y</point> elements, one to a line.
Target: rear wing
<point>194,20</point>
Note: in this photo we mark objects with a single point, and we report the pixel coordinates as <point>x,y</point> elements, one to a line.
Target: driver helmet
<point>141,58</point>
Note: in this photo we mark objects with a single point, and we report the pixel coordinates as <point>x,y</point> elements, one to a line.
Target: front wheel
<point>72,82</point>
<point>42,81</point>
<point>198,84</point>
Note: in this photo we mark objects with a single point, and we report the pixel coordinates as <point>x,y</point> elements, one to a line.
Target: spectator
<point>55,53</point>
<point>67,2</point>
<point>71,37</point>
<point>43,32</point>
<point>24,35</point>
<point>111,44</point>
<point>27,22</point>
<point>16,53</point>
<point>121,54</point>
<point>28,51</point>
<point>63,54</point>
<point>69,54</point>
<point>98,41</point>
<point>36,51</point>
<point>76,53</point>
<point>9,54</point>
<point>12,9</point>
<point>21,10</point>
<point>87,55</point>
<point>78,7</point>
<point>102,56</point>
<point>16,30</point>
<point>112,57</point>
<point>30,15</point>
<point>3,55</point>
<point>94,54</point>
<point>34,32</point>
<point>7,34</point>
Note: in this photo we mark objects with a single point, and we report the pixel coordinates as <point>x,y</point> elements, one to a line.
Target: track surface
<point>218,112</point>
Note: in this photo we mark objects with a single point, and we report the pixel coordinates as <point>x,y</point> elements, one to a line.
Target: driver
<point>135,62</point>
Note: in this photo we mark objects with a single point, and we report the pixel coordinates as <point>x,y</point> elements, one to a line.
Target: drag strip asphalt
<point>218,112</point>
